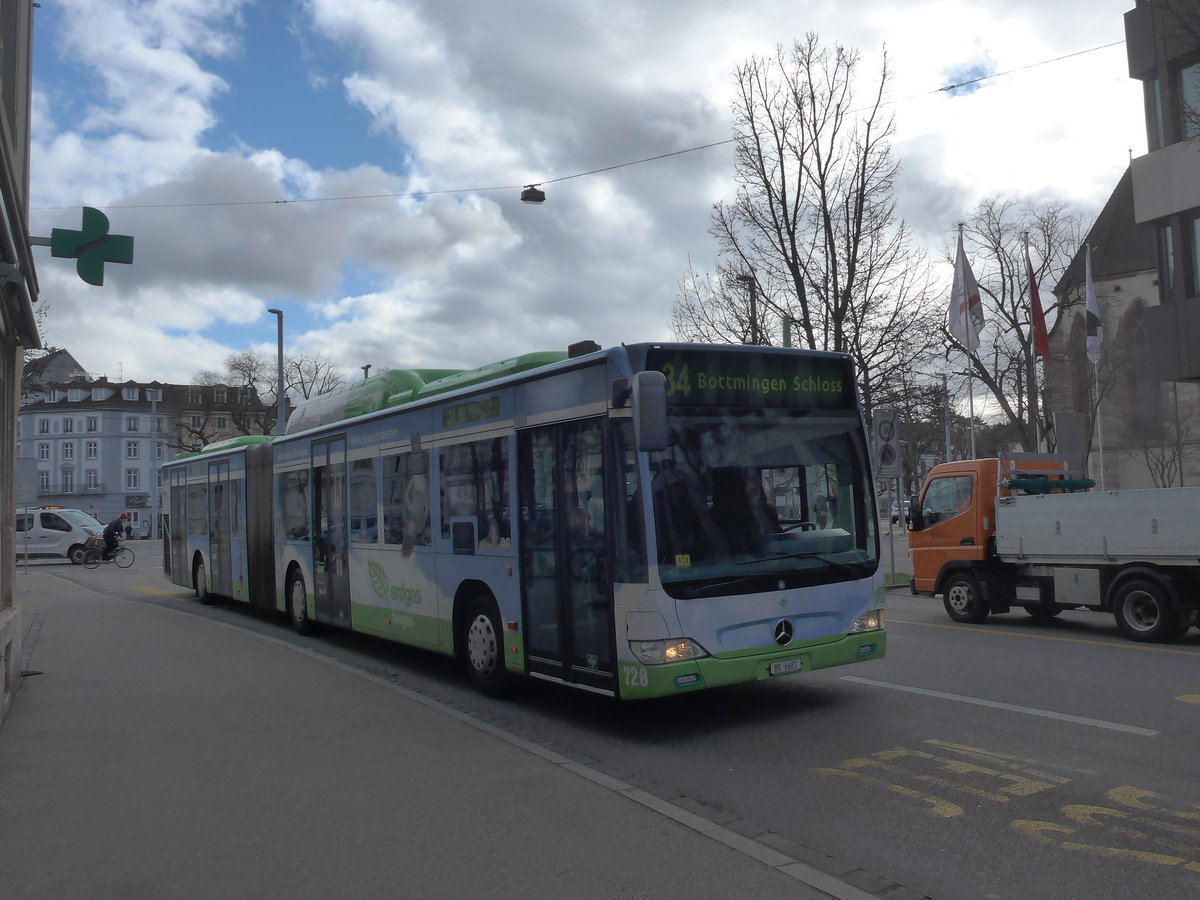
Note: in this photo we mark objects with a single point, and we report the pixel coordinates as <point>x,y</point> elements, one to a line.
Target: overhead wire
<point>512,187</point>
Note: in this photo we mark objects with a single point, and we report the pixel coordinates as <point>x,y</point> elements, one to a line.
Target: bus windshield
<point>751,500</point>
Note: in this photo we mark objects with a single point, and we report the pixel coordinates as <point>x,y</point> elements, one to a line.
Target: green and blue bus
<point>638,521</point>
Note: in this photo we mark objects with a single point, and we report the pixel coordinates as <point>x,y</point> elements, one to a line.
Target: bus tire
<point>964,599</point>
<point>483,647</point>
<point>1144,610</point>
<point>297,604</point>
<point>200,582</point>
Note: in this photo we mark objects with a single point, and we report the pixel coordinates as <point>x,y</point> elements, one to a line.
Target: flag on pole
<point>965,316</point>
<point>1041,340</point>
<point>1095,331</point>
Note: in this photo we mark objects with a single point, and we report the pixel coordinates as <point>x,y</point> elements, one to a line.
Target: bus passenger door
<point>566,578</point>
<point>331,573</point>
<point>177,527</point>
<point>220,572</point>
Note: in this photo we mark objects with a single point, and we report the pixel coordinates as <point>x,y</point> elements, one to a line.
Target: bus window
<point>293,505</point>
<point>475,488</point>
<point>406,500</point>
<point>364,516</point>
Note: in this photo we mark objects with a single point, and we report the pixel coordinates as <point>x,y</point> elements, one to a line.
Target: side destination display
<point>717,378</point>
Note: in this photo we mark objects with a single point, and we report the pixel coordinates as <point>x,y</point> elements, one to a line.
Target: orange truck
<point>991,534</point>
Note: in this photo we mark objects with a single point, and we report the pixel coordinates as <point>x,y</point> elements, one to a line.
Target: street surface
<point>1013,759</point>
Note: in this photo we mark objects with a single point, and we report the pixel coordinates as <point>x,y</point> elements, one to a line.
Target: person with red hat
<point>113,534</point>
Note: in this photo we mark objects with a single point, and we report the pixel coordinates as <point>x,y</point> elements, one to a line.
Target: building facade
<point>1162,40</point>
<point>18,293</point>
<point>98,444</point>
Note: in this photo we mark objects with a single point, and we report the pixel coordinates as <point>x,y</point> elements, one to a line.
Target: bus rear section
<point>218,539</point>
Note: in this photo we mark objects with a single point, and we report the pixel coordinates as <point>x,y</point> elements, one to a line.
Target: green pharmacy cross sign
<point>92,246</point>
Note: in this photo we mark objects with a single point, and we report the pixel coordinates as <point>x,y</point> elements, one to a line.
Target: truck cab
<point>952,522</point>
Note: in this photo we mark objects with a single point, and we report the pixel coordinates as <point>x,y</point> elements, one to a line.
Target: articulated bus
<point>639,521</point>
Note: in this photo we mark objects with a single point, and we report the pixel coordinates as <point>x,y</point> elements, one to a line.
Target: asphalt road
<point>1013,759</point>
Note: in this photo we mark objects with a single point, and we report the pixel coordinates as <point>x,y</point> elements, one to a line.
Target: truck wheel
<point>963,599</point>
<point>1144,611</point>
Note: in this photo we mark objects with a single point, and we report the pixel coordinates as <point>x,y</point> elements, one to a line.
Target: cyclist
<point>113,534</point>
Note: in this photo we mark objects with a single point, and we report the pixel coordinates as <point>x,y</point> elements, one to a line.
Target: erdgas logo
<point>400,594</point>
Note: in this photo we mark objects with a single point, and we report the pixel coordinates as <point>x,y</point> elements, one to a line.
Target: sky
<point>400,133</point>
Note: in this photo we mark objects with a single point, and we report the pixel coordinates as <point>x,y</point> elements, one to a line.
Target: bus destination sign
<point>715,378</point>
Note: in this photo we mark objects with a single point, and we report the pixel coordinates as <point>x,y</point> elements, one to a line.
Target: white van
<point>53,531</point>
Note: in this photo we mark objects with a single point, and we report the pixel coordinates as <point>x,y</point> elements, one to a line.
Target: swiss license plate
<point>787,667</point>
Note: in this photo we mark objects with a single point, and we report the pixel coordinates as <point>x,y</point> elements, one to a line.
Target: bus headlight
<point>656,653</point>
<point>868,621</point>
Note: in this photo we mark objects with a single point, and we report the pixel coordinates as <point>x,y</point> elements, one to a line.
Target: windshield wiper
<point>844,568</point>
<point>719,587</point>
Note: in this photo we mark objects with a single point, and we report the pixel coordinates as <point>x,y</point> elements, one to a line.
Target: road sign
<point>92,246</point>
<point>887,444</point>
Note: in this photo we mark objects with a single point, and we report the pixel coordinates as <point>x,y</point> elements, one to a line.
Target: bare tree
<point>1005,362</point>
<point>310,376</point>
<point>813,236</point>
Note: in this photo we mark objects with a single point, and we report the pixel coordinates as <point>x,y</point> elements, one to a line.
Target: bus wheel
<point>297,604</point>
<point>483,646</point>
<point>200,581</point>
<point>1144,611</point>
<point>963,599</point>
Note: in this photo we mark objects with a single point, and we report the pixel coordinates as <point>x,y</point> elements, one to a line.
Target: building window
<point>131,449</point>
<point>1189,101</point>
<point>131,423</point>
<point>93,479</point>
<point>77,394</point>
<point>1166,259</point>
<point>195,396</point>
<point>68,451</point>
<point>44,480</point>
<point>133,479</point>
<point>197,423</point>
<point>93,423</point>
<point>129,393</point>
<point>220,423</point>
<point>220,395</point>
<point>43,451</point>
<point>43,426</point>
<point>1192,250</point>
<point>68,426</point>
<point>68,481</point>
<point>1152,96</point>
<point>158,450</point>
<point>92,450</point>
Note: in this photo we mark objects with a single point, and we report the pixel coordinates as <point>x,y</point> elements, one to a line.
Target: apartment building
<point>99,444</point>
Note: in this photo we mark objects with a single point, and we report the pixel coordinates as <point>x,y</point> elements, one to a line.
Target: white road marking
<point>1009,707</point>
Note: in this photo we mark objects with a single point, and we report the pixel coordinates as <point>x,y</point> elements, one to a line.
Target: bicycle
<point>93,555</point>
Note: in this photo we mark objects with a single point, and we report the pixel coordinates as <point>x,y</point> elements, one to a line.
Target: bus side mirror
<point>650,410</point>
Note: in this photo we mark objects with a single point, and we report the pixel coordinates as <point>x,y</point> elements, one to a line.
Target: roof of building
<point>1120,246</point>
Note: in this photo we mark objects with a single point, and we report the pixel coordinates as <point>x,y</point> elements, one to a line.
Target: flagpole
<point>1095,334</point>
<point>970,362</point>
<point>1032,358</point>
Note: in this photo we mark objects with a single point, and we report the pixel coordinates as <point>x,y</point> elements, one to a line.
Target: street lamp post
<point>280,424</point>
<point>749,281</point>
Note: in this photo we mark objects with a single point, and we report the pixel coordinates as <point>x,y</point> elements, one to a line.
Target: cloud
<point>493,96</point>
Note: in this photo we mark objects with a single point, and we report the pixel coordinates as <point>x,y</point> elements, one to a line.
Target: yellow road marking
<point>1188,698</point>
<point>1131,645</point>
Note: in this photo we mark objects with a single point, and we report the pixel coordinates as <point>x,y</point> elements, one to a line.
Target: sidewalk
<point>162,755</point>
